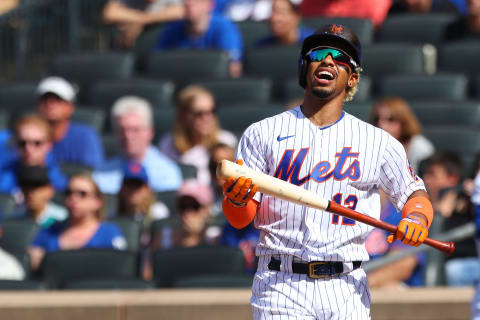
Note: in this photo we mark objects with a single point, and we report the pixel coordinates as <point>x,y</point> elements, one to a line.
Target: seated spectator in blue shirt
<point>202,29</point>
<point>133,123</point>
<point>38,193</point>
<point>84,227</point>
<point>74,142</point>
<point>285,25</point>
<point>465,28</point>
<point>33,143</point>
<point>407,271</point>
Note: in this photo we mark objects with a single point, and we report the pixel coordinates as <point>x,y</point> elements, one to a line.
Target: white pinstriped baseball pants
<point>282,295</point>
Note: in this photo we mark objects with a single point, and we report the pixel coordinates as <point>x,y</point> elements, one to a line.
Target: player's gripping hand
<point>410,230</point>
<point>239,191</point>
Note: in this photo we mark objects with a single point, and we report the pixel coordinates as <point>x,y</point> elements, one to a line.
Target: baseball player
<point>309,260</point>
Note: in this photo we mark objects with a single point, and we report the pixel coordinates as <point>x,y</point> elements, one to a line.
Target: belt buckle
<point>311,270</point>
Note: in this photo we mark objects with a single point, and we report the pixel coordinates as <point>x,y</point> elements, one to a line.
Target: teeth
<point>329,74</point>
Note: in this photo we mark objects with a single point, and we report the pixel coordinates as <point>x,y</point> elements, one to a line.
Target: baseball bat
<point>287,191</point>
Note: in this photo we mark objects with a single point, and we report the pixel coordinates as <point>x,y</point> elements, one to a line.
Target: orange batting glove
<point>239,191</point>
<point>410,230</point>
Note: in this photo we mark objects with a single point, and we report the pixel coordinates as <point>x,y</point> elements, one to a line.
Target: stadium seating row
<point>406,28</point>
<point>215,266</point>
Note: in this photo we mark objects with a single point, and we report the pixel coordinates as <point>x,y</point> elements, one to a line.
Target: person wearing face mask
<point>196,130</point>
<point>133,122</point>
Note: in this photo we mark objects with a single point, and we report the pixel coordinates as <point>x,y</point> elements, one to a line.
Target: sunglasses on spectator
<point>376,119</point>
<point>187,203</point>
<point>198,114</point>
<point>23,143</point>
<point>82,194</point>
<point>338,56</point>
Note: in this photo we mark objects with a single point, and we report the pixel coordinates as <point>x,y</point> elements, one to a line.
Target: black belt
<point>314,269</point>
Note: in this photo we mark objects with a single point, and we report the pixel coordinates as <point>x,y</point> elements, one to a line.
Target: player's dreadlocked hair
<point>352,90</point>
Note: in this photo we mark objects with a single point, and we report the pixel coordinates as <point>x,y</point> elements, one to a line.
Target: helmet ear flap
<point>302,71</point>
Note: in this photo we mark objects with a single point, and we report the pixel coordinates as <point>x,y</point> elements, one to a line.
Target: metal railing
<point>37,30</point>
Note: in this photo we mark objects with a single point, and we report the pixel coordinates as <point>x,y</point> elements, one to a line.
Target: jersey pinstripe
<point>346,162</point>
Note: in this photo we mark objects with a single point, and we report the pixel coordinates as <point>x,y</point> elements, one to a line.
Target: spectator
<point>373,10</point>
<point>7,5</point>
<point>218,152</point>
<point>136,199</point>
<point>38,193</point>
<point>134,128</point>
<point>404,272</point>
<point>285,25</point>
<point>33,141</point>
<point>131,16</point>
<point>394,115</point>
<point>196,130</point>
<point>10,269</point>
<point>73,142</point>
<point>194,200</point>
<point>442,179</point>
<point>202,29</point>
<point>84,227</point>
<point>467,27</point>
<point>422,6</point>
<point>241,10</point>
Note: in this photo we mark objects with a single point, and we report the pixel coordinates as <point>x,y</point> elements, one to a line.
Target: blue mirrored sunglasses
<point>318,54</point>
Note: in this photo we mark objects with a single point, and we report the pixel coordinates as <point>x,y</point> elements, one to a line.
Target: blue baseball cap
<point>135,171</point>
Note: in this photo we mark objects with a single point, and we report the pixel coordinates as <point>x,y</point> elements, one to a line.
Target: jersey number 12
<point>350,202</point>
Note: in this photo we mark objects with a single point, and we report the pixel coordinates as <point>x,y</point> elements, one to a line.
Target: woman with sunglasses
<point>32,141</point>
<point>394,115</point>
<point>84,227</point>
<point>195,131</point>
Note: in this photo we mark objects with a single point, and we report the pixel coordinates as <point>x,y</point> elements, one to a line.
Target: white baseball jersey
<point>346,162</point>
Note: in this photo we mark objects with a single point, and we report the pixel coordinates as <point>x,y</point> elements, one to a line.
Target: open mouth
<point>324,76</point>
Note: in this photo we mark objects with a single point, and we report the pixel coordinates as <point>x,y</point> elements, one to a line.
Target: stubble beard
<point>322,93</point>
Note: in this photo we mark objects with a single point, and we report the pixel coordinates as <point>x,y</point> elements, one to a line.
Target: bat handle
<point>445,247</point>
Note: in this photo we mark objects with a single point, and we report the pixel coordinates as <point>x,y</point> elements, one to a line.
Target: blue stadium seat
<point>237,119</point>
<point>18,94</point>
<point>277,63</point>
<point>18,234</point>
<point>86,68</point>
<point>415,28</point>
<point>361,110</point>
<point>186,66</point>
<point>158,93</point>
<point>252,31</point>
<point>446,86</point>
<point>241,90</point>
<point>60,267</point>
<point>459,57</point>
<point>380,60</point>
<point>172,265</point>
<point>453,113</point>
<point>458,139</point>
